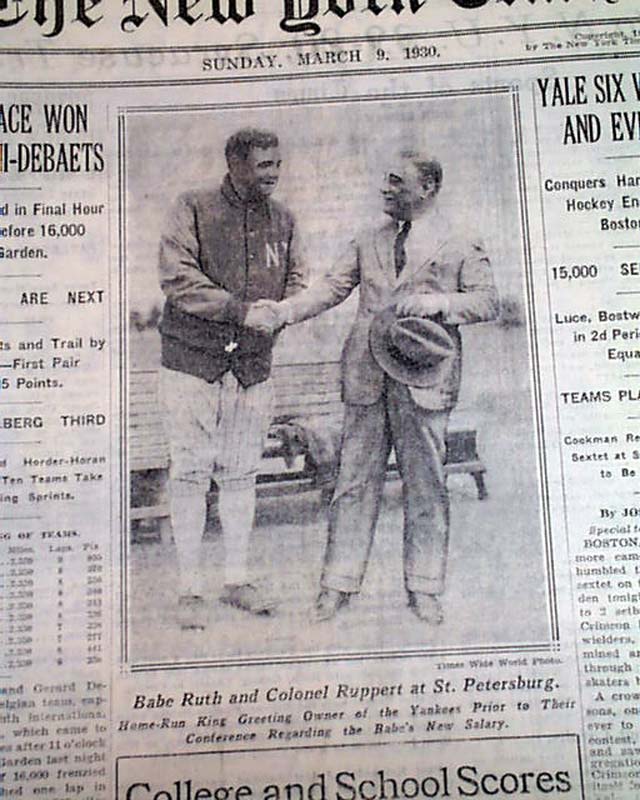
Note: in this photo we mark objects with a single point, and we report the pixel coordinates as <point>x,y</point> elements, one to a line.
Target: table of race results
<point>51,598</point>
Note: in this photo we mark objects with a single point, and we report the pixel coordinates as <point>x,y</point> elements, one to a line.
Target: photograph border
<point>550,646</point>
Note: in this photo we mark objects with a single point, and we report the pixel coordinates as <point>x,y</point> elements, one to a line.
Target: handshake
<point>266,316</point>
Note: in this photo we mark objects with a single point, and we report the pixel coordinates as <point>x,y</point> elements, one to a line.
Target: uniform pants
<point>418,436</point>
<point>215,430</point>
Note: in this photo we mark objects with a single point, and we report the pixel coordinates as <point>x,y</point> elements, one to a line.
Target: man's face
<point>402,190</point>
<point>258,175</point>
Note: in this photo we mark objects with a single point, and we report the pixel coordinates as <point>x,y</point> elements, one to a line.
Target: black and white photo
<point>391,435</point>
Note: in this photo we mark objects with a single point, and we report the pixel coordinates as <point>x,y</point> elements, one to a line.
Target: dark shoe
<point>426,607</point>
<point>191,612</point>
<point>247,597</point>
<point>329,602</point>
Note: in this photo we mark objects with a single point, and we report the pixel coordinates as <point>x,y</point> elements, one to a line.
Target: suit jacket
<point>438,261</point>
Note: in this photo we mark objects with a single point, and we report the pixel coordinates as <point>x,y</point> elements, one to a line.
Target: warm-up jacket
<point>217,255</point>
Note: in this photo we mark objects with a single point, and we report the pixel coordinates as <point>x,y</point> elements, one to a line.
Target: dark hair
<point>429,169</point>
<point>239,145</point>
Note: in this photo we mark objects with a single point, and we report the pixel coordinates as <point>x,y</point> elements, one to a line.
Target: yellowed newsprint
<point>319,399</point>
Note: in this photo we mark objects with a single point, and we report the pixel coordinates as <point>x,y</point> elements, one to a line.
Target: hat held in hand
<point>415,351</point>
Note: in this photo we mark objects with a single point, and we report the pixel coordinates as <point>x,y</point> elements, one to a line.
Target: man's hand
<point>422,305</point>
<point>265,316</point>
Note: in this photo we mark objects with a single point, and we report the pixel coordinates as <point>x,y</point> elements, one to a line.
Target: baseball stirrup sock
<point>188,515</point>
<point>236,508</point>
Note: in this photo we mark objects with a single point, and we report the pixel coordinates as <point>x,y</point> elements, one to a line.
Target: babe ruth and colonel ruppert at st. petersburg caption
<point>232,276</point>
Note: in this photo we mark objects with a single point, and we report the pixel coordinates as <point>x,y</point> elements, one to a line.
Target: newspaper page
<point>319,399</point>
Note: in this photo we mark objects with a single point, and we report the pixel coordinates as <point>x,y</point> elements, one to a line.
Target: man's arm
<point>268,316</point>
<point>329,290</point>
<point>181,278</point>
<point>475,301</point>
<point>296,271</point>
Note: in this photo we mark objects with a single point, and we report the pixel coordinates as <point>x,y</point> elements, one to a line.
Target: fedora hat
<point>416,351</point>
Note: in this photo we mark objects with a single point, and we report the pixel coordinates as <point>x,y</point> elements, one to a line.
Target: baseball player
<point>222,251</point>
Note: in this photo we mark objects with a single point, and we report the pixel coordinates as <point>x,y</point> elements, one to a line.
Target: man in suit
<point>222,249</point>
<point>417,264</point>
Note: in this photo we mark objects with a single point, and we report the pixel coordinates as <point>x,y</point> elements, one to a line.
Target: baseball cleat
<point>191,613</point>
<point>247,597</point>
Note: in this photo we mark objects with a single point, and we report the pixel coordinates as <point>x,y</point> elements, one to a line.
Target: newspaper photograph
<point>320,446</point>
<point>309,421</point>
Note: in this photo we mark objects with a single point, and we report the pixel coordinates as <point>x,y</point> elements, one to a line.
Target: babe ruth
<point>416,263</point>
<point>222,250</point>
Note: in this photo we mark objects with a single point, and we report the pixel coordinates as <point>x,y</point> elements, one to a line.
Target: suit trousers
<point>418,437</point>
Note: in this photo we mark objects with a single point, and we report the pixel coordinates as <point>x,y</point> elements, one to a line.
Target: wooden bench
<point>303,392</point>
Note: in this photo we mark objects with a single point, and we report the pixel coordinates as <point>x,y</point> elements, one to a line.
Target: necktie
<point>399,252</point>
